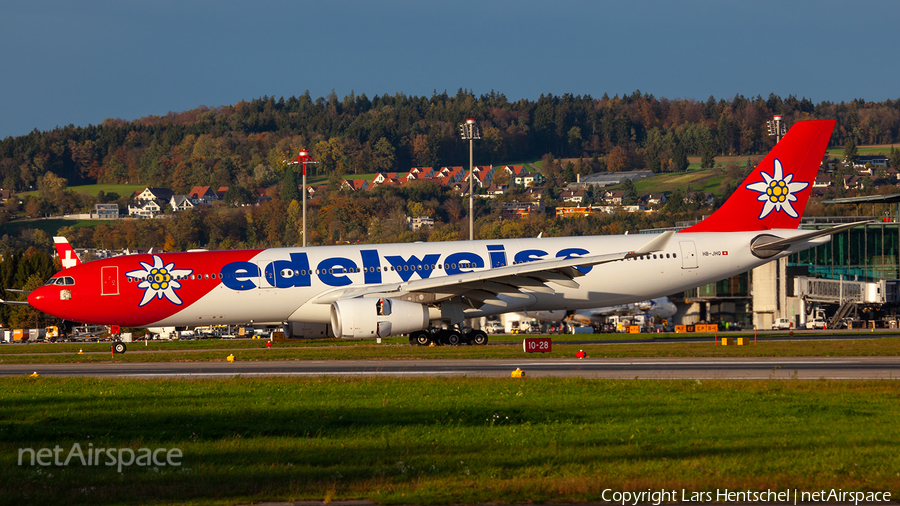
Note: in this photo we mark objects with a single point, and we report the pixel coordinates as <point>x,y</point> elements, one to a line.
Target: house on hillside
<point>497,189</point>
<point>572,196</point>
<point>159,195</point>
<point>461,188</point>
<point>654,199</point>
<point>202,195</point>
<point>354,184</point>
<point>386,181</point>
<point>383,177</point>
<point>181,203</point>
<point>261,196</point>
<point>871,160</point>
<point>613,198</point>
<point>144,209</point>
<point>519,175</point>
<point>703,198</point>
<point>105,212</point>
<point>417,223</point>
<point>822,181</point>
<point>422,172</point>
<point>518,209</point>
<point>535,193</point>
<point>455,174</point>
<point>484,176</point>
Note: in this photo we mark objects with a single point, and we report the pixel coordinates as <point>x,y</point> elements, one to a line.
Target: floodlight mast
<point>469,131</point>
<point>304,158</point>
<point>777,128</point>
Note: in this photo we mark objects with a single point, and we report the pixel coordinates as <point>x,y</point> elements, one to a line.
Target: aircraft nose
<point>42,299</point>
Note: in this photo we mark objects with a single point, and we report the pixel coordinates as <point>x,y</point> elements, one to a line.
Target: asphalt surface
<point>614,368</point>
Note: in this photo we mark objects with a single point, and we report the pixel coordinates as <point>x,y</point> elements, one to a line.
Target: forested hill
<point>246,144</point>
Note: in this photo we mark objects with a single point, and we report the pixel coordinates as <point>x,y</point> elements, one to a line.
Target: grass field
<point>445,441</point>
<point>883,149</point>
<point>50,227</point>
<point>699,180</point>
<point>124,190</point>
<point>398,348</point>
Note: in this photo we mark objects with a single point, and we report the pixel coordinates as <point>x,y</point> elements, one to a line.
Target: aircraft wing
<point>514,281</point>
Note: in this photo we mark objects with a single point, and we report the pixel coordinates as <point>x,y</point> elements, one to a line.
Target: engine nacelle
<point>357,318</point>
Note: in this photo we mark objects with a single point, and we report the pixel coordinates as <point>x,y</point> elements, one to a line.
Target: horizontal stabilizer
<point>766,246</point>
<point>14,302</point>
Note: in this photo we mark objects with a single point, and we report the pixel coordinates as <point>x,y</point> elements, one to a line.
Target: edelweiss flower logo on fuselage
<point>777,191</point>
<point>159,281</point>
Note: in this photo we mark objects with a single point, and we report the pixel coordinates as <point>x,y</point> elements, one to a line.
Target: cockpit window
<point>61,280</point>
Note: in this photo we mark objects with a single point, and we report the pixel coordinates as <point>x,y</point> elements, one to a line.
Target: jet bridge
<point>846,294</point>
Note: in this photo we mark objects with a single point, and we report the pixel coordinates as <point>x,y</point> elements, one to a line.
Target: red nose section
<point>50,299</point>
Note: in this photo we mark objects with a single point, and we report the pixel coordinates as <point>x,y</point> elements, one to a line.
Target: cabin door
<point>688,255</point>
<point>109,280</point>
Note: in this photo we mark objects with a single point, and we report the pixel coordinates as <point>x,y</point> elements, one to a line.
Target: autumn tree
<point>383,156</point>
<point>631,197</point>
<point>617,159</point>
<point>851,154</point>
<point>707,156</point>
<point>679,159</point>
<point>290,185</point>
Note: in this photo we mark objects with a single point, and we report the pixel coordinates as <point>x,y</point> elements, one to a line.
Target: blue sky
<point>81,62</point>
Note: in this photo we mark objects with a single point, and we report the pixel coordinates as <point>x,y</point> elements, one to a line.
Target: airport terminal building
<point>855,275</point>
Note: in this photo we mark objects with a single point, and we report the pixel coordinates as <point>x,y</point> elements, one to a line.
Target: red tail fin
<point>775,193</point>
<point>67,256</point>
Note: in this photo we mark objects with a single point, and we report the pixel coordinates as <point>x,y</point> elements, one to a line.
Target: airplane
<point>659,307</point>
<point>427,290</point>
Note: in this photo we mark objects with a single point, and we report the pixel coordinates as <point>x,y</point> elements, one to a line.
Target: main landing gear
<point>449,337</point>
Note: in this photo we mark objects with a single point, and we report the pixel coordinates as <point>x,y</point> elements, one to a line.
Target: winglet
<point>67,256</point>
<point>656,244</point>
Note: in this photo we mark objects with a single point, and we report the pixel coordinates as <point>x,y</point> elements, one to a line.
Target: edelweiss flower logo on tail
<point>777,191</point>
<point>159,281</point>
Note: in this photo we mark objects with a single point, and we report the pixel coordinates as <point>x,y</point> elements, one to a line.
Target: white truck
<point>782,324</point>
<point>818,320</point>
<point>494,328</point>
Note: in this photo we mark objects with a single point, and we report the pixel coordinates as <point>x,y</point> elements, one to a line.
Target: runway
<point>850,368</point>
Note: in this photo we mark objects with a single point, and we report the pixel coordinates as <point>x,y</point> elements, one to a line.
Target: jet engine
<point>357,318</point>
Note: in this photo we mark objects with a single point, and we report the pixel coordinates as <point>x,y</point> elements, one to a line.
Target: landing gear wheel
<point>451,337</point>
<point>119,347</point>
<point>421,338</point>
<point>478,337</point>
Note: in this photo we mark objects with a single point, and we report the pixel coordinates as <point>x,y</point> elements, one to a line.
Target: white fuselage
<point>689,260</point>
